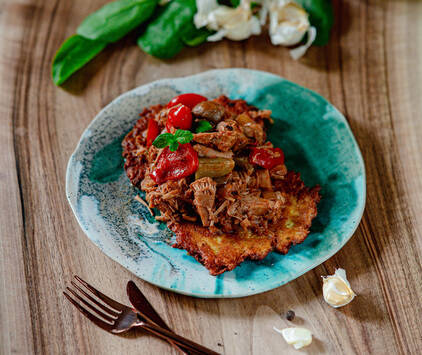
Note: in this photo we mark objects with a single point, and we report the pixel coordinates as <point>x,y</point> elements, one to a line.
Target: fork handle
<point>186,343</point>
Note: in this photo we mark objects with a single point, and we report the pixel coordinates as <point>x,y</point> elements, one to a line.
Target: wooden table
<point>371,71</point>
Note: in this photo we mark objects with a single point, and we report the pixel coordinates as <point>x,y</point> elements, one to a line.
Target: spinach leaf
<point>116,19</point>
<point>321,15</point>
<point>193,36</point>
<point>74,53</point>
<point>163,37</point>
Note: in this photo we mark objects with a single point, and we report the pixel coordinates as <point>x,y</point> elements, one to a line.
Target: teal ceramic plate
<point>317,142</point>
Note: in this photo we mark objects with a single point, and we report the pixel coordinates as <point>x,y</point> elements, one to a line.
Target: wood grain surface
<point>371,71</point>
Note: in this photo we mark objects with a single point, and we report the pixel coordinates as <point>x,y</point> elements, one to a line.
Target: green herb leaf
<point>193,36</point>
<point>321,16</point>
<point>172,140</point>
<point>74,53</point>
<point>163,140</point>
<point>163,38</point>
<point>203,126</point>
<point>183,136</point>
<point>173,146</point>
<point>116,19</point>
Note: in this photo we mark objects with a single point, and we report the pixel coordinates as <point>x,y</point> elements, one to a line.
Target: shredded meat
<point>204,197</point>
<point>223,219</point>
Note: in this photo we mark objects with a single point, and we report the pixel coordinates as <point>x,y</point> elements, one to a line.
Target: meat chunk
<point>251,129</point>
<point>263,179</point>
<point>223,141</point>
<point>228,137</point>
<point>204,197</point>
<point>206,152</point>
<point>278,172</point>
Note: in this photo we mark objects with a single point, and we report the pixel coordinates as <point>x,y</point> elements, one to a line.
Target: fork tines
<point>108,310</point>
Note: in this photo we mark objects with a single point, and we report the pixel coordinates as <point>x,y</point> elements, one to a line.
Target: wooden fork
<point>116,318</point>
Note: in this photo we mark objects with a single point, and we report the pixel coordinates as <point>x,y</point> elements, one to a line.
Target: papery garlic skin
<point>336,289</point>
<point>300,51</point>
<point>288,22</point>
<point>298,337</point>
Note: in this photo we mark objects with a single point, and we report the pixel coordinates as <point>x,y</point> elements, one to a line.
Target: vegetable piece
<point>116,19</point>
<point>214,167</point>
<point>190,100</point>
<point>74,53</point>
<point>175,165</point>
<point>152,132</point>
<point>163,36</point>
<point>173,140</point>
<point>210,111</point>
<point>203,126</point>
<point>267,158</point>
<point>179,117</point>
<point>195,36</point>
<point>321,16</point>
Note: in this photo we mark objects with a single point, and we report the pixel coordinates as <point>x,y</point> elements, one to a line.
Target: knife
<point>145,309</point>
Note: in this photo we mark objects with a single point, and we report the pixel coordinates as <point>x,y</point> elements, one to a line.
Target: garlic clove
<point>298,337</point>
<point>336,289</point>
<point>288,22</point>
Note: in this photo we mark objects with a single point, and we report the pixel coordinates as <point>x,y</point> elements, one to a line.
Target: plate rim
<point>271,287</point>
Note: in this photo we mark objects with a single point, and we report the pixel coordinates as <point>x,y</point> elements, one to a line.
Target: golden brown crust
<point>220,253</point>
<point>301,209</point>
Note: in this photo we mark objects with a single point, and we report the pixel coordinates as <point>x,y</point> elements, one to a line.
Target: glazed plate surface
<point>316,140</point>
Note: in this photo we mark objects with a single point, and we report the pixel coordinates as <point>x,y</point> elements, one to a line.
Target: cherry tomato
<point>175,165</point>
<point>267,158</point>
<point>179,117</point>
<point>189,100</point>
<point>152,131</point>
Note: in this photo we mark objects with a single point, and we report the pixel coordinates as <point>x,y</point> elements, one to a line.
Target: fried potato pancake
<point>226,251</point>
<point>222,252</point>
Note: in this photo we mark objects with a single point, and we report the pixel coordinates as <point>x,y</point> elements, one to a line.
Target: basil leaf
<point>173,146</point>
<point>74,53</point>
<point>321,16</point>
<point>163,140</point>
<point>163,36</point>
<point>116,19</point>
<point>203,126</point>
<point>183,136</point>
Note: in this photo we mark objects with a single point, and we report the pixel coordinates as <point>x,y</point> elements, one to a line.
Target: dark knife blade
<point>140,302</point>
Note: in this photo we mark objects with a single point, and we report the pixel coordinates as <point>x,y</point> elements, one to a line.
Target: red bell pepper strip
<point>152,131</point>
<point>266,158</point>
<point>175,165</point>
